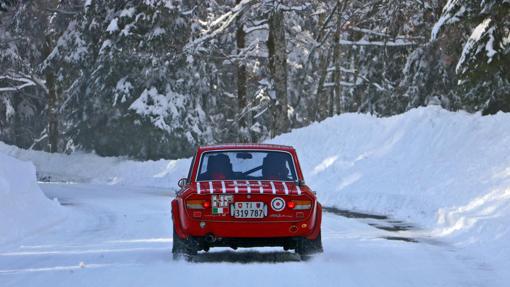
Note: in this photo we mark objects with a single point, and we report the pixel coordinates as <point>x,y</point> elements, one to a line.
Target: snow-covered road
<point>121,236</point>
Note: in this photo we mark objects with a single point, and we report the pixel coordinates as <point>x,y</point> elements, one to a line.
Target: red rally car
<point>245,195</point>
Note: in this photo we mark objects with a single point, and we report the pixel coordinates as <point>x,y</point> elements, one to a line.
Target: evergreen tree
<point>483,66</point>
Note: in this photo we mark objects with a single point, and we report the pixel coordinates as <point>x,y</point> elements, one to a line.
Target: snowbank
<point>448,172</point>
<point>84,167</point>
<point>23,206</point>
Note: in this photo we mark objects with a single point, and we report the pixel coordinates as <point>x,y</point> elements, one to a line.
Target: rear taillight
<point>300,204</point>
<point>197,204</point>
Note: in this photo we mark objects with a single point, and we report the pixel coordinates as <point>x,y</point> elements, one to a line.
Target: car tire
<point>183,248</point>
<point>306,247</point>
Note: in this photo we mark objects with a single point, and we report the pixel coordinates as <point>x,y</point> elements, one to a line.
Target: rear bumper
<point>185,227</point>
<point>204,243</point>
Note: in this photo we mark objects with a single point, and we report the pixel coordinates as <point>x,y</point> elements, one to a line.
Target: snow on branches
<point>488,44</point>
<point>20,82</point>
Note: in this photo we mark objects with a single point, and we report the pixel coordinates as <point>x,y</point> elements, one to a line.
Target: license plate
<point>248,210</point>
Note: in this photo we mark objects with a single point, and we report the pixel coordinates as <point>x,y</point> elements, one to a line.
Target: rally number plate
<point>248,210</point>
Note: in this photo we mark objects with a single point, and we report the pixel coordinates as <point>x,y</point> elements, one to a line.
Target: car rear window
<point>246,165</point>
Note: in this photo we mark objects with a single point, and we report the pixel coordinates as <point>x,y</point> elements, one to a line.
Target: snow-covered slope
<point>23,206</point>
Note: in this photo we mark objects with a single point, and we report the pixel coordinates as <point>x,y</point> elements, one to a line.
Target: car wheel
<point>183,248</point>
<point>306,247</point>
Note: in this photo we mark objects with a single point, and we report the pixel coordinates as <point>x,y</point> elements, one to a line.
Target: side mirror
<point>182,182</point>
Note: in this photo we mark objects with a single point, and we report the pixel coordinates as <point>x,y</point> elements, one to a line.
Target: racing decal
<point>248,187</point>
<point>236,188</point>
<point>220,203</point>
<point>277,204</point>
<point>285,188</point>
<point>273,187</point>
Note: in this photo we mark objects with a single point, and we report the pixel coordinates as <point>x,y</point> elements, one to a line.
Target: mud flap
<point>317,227</point>
<point>176,220</point>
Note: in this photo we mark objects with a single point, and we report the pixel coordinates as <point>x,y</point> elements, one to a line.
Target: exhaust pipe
<point>210,238</point>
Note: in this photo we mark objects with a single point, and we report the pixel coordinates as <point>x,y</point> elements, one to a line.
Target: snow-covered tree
<point>484,63</point>
<point>23,91</point>
<point>153,79</point>
<point>261,43</point>
<point>130,81</point>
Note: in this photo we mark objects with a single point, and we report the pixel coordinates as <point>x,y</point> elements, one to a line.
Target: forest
<point>153,79</point>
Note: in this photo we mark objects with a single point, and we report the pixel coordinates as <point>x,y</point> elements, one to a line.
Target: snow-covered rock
<point>23,207</point>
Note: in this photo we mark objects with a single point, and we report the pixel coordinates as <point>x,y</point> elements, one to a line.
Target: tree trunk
<point>52,102</point>
<point>321,108</point>
<point>276,45</point>
<point>335,107</point>
<point>243,132</point>
<point>17,130</point>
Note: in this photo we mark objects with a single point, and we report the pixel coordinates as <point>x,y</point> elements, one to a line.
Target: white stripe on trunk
<point>236,188</point>
<point>261,188</point>
<point>285,188</point>
<point>223,189</point>
<point>298,189</point>
<point>248,187</point>
<point>198,188</point>
<point>273,187</point>
<point>211,189</point>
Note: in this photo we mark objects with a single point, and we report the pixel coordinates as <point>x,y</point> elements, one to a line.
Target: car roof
<point>243,146</point>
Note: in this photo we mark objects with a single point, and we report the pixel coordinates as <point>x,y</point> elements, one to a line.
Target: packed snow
<point>447,174</point>
<point>24,209</point>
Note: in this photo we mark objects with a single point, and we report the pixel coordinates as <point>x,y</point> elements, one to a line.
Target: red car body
<point>205,214</point>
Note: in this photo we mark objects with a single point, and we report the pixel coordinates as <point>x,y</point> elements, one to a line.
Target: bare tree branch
<point>220,24</point>
<point>63,12</point>
<point>26,81</point>
<point>396,43</point>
